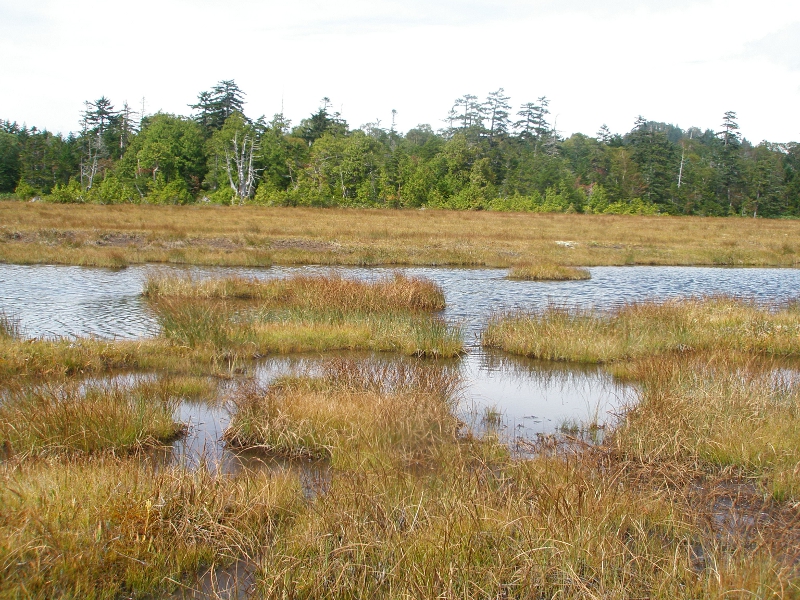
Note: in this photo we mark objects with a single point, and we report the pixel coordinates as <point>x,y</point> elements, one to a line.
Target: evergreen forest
<point>487,155</point>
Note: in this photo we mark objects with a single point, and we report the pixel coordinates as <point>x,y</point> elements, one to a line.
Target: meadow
<point>692,492</point>
<point>118,235</point>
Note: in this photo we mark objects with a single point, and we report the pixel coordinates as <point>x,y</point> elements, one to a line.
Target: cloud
<point>781,47</point>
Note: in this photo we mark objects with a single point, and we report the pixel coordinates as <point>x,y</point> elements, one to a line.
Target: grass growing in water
<point>70,417</point>
<point>353,408</point>
<point>304,314</point>
<point>322,292</point>
<point>544,271</point>
<point>716,412</point>
<point>647,328</point>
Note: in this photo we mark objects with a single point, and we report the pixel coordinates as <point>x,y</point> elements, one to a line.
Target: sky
<point>599,62</point>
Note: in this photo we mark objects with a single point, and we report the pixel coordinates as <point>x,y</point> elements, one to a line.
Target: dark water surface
<point>531,397</point>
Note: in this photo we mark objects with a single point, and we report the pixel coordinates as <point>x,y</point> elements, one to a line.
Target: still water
<point>531,398</point>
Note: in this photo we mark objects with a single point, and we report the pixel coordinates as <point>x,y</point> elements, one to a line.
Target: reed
<point>105,527</point>
<point>647,328</point>
<point>548,272</point>
<point>9,327</point>
<point>302,314</point>
<point>69,417</point>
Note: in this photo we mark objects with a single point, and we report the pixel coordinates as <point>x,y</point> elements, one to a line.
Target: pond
<point>522,398</point>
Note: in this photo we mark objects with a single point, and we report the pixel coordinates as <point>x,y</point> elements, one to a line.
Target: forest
<point>487,155</point>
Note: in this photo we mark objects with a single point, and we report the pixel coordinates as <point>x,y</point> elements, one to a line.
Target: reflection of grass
<point>544,271</point>
<point>129,234</point>
<point>103,527</point>
<point>647,328</point>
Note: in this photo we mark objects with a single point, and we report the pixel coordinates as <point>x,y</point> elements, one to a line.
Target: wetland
<point>316,431</point>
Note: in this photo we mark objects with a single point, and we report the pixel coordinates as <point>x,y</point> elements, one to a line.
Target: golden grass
<point>303,314</point>
<point>548,272</point>
<point>647,328</point>
<point>104,527</point>
<point>323,292</point>
<point>119,235</point>
<point>362,408</point>
<point>716,412</point>
<point>68,417</point>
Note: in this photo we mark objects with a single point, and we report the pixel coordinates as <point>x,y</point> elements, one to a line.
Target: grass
<point>105,527</point>
<point>718,413</point>
<point>224,324</point>
<point>415,507</point>
<point>548,272</point>
<point>303,314</point>
<point>119,235</point>
<point>87,418</point>
<point>362,408</point>
<point>647,328</point>
<point>9,327</point>
<point>323,292</point>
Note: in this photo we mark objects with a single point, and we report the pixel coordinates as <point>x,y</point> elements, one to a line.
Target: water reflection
<point>523,399</point>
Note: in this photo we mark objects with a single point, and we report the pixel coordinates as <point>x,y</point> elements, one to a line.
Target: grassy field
<point>121,235</point>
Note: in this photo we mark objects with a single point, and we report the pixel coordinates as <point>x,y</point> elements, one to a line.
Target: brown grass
<point>118,235</point>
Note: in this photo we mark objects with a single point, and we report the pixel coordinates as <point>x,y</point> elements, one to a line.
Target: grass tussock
<point>69,417</point>
<point>302,314</point>
<point>647,328</point>
<point>105,527</point>
<point>324,292</point>
<point>352,409</point>
<point>548,272</point>
<point>716,413</point>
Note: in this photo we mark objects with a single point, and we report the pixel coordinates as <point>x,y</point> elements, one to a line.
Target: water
<point>530,397</point>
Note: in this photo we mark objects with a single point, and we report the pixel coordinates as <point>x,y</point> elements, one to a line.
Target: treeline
<point>488,156</point>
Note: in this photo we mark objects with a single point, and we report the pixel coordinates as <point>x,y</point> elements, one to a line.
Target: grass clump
<point>69,417</point>
<point>544,271</point>
<point>718,412</point>
<point>105,527</point>
<point>324,292</point>
<point>647,328</point>
<point>302,314</point>
<point>352,407</point>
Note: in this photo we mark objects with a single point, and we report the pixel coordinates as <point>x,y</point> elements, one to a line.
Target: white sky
<point>685,62</point>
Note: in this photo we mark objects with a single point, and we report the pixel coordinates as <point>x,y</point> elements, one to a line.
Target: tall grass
<point>647,328</point>
<point>303,314</point>
<point>716,412</point>
<point>70,417</point>
<point>105,527</point>
<point>9,327</point>
<point>118,235</point>
<point>329,292</point>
